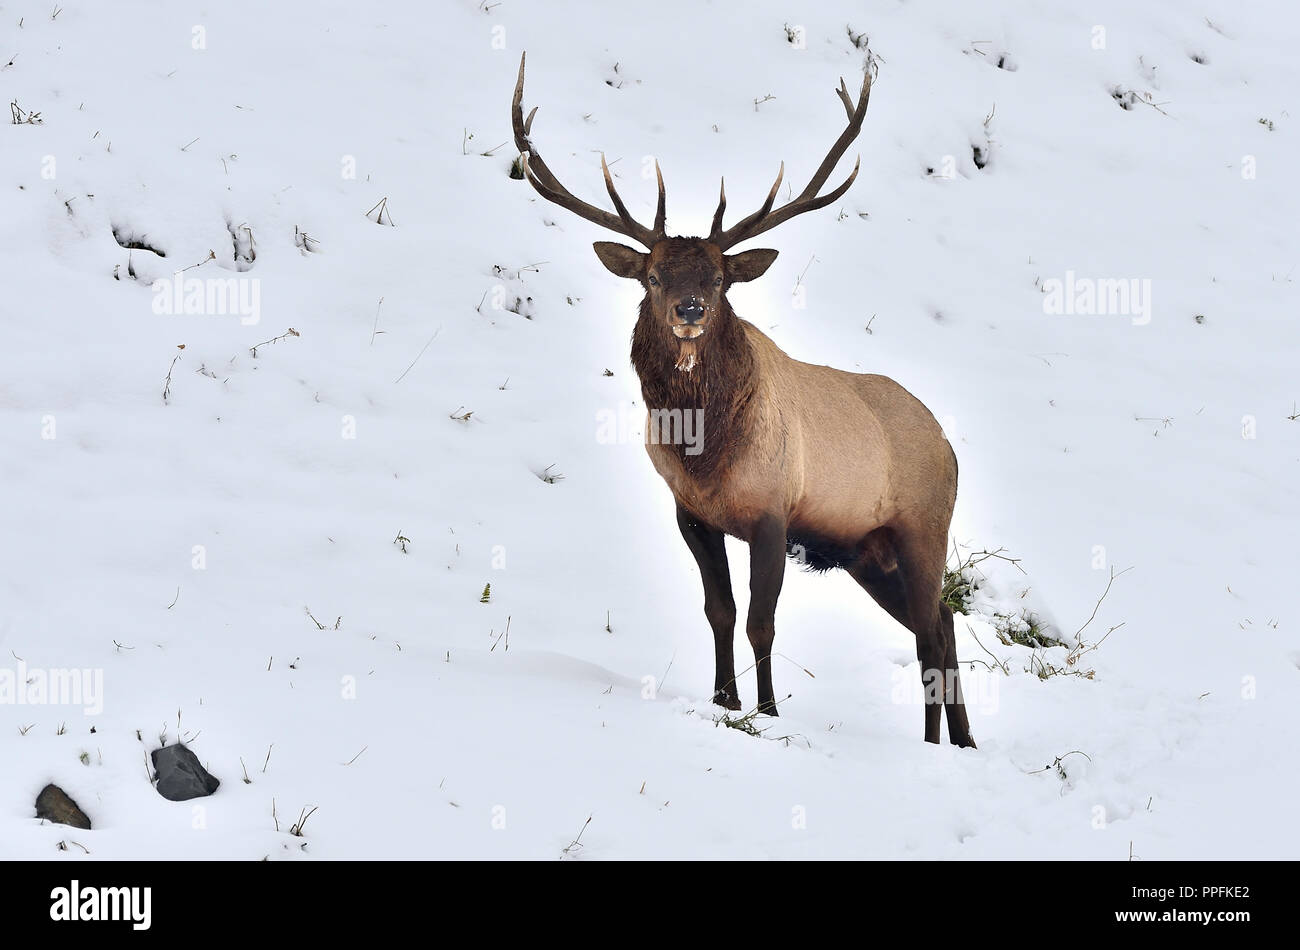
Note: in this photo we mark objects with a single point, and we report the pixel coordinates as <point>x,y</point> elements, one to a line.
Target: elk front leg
<point>766,572</point>
<point>709,548</point>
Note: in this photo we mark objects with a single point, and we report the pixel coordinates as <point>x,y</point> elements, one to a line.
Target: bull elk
<point>849,470</point>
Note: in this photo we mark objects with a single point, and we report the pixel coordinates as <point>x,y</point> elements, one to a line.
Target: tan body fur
<point>819,456</point>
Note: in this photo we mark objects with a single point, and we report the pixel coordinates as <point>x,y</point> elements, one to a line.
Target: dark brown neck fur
<point>722,383</point>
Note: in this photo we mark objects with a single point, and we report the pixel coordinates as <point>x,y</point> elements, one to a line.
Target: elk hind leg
<point>902,579</point>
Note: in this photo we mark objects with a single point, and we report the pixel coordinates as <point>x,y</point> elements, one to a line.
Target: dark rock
<point>180,776</point>
<point>53,804</point>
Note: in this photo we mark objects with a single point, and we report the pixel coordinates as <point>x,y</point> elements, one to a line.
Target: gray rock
<point>53,804</point>
<point>180,776</point>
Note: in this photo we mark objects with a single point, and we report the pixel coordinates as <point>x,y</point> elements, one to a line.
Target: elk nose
<point>690,311</point>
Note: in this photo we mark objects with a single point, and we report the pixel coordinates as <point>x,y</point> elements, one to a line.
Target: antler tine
<point>743,226</point>
<point>716,230</point>
<point>843,93</point>
<point>842,143</point>
<point>661,209</point>
<point>523,128</point>
<point>807,200</point>
<point>815,203</point>
<point>518,124</point>
<point>654,234</point>
<point>549,187</point>
<point>613,195</point>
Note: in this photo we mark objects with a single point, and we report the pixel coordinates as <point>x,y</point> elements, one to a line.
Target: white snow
<point>268,486</point>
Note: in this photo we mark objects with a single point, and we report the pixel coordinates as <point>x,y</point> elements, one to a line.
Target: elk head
<point>686,278</point>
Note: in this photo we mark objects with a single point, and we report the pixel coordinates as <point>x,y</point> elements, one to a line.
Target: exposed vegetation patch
<point>135,242</point>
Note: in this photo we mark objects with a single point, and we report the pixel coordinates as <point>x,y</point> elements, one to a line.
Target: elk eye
<point>654,281</point>
<point>717,282</point>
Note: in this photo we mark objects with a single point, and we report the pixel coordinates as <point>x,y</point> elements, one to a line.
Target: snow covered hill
<point>283,558</point>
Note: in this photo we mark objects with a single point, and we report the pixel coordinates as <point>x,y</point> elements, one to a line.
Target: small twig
<point>417,356</point>
<point>1001,664</point>
<point>799,279</point>
<point>576,844</point>
<point>303,240</point>
<point>796,663</point>
<point>1146,99</point>
<point>303,815</point>
<point>382,208</point>
<point>212,256</point>
<point>663,679</point>
<point>1165,421</point>
<point>275,339</point>
<point>1097,606</point>
<point>167,383</point>
<point>376,330</point>
<point>1057,763</point>
<point>505,637</point>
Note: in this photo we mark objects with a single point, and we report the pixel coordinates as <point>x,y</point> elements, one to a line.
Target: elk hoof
<point>726,699</point>
<point>768,709</point>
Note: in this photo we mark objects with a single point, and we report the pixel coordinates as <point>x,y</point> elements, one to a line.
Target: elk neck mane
<point>722,385</point>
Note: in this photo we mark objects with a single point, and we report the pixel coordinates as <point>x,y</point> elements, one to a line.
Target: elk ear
<point>749,265</point>
<point>621,260</point>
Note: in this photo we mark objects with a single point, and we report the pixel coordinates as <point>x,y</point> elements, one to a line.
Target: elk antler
<point>765,218</point>
<point>549,187</point>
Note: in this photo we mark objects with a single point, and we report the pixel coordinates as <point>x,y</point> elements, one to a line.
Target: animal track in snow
<point>135,241</point>
<point>241,237</point>
<point>997,58</point>
<point>615,78</point>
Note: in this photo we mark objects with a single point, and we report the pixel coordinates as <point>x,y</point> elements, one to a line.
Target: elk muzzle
<point>689,318</point>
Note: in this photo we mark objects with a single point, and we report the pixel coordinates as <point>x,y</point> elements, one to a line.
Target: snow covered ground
<point>175,547</point>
